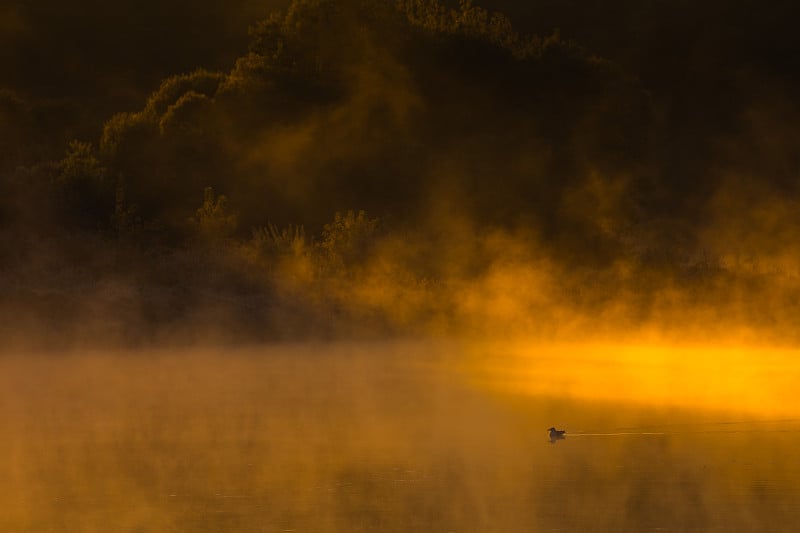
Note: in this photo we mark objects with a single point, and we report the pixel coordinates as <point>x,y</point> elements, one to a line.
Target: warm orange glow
<point>338,265</point>
<point>756,380</point>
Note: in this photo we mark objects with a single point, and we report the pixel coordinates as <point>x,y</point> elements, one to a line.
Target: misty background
<point>278,170</point>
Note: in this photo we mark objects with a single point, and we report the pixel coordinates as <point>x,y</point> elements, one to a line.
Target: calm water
<point>380,437</point>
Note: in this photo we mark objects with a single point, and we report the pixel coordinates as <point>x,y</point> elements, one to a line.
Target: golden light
<point>757,380</point>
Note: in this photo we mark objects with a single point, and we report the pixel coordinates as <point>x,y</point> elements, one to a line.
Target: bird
<point>556,434</point>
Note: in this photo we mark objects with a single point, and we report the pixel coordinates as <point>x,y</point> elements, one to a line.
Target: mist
<point>336,266</point>
<point>511,183</point>
<point>377,436</point>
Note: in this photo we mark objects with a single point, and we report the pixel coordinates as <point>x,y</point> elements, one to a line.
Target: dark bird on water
<point>556,434</point>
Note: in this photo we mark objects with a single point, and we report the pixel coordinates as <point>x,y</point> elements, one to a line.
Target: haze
<point>337,265</point>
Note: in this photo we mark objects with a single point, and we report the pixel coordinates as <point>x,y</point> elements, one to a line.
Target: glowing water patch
<point>746,379</point>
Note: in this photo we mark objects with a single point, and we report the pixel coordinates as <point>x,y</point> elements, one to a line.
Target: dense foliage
<point>500,174</point>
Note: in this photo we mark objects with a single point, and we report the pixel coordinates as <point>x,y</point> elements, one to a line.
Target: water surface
<point>374,437</point>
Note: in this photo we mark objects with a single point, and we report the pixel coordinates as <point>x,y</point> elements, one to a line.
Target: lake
<point>401,436</point>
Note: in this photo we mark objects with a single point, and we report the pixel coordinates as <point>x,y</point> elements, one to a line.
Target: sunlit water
<point>388,437</point>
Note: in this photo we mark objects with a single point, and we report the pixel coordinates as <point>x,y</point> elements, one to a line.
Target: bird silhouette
<point>556,434</point>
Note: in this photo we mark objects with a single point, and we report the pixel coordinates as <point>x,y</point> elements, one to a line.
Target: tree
<point>346,240</point>
<point>86,193</point>
<point>213,219</point>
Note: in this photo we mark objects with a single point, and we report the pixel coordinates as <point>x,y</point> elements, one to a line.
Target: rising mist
<point>336,265</point>
<point>510,183</point>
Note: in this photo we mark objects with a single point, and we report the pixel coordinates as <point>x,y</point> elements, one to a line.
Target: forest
<point>372,169</point>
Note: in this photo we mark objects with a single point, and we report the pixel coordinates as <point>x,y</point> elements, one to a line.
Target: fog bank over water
<point>757,382</point>
<point>376,437</point>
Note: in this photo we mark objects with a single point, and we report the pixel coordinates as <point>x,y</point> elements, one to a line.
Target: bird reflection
<point>556,434</point>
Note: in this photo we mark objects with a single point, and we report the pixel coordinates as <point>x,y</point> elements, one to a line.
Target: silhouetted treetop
<point>354,103</point>
<point>201,82</point>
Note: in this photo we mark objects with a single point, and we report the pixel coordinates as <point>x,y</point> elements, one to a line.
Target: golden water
<point>399,437</point>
